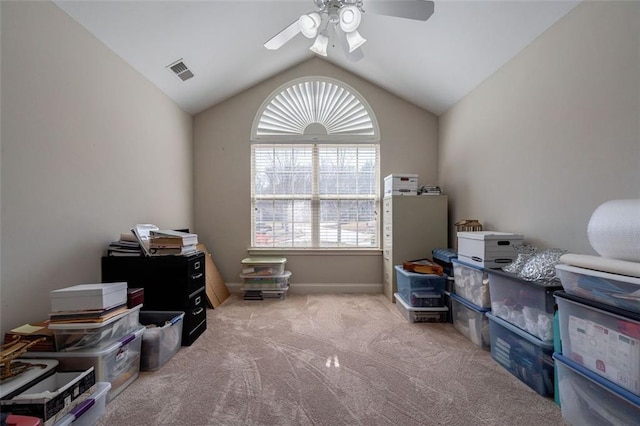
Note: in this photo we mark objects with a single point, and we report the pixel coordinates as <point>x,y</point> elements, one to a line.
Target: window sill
<point>259,251</point>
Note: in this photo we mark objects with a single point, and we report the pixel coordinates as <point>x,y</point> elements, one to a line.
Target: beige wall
<point>89,148</point>
<point>222,175</point>
<point>553,134</point>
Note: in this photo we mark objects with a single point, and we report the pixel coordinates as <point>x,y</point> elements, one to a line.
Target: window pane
<point>282,170</point>
<point>348,223</point>
<point>315,195</point>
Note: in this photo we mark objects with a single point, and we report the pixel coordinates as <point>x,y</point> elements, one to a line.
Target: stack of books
<point>127,245</point>
<point>429,190</point>
<point>170,242</point>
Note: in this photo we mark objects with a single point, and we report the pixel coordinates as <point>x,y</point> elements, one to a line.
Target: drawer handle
<point>197,276</point>
<point>196,265</point>
<point>198,300</point>
<point>198,311</point>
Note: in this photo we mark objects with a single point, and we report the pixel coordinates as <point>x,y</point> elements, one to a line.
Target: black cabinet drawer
<point>195,318</point>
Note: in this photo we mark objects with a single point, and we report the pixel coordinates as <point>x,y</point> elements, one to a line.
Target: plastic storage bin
<point>118,364</point>
<point>603,339</point>
<point>413,314</point>
<point>528,305</point>
<point>409,282</point>
<point>73,336</point>
<point>470,320</point>
<point>589,400</point>
<point>610,289</point>
<point>162,337</point>
<point>444,257</point>
<point>526,357</point>
<point>265,282</point>
<point>426,299</point>
<point>89,411</point>
<point>471,283</point>
<point>261,266</point>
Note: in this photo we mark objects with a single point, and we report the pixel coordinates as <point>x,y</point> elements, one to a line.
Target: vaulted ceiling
<point>432,63</point>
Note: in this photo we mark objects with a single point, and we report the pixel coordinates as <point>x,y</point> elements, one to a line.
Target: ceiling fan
<point>334,16</point>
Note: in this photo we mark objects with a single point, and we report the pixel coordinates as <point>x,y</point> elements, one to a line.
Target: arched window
<point>315,168</point>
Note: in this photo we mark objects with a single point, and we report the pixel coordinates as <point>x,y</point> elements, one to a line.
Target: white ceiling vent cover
<point>181,70</point>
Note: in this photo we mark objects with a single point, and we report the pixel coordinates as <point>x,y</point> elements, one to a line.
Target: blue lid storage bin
<point>443,257</point>
<point>601,338</point>
<point>611,289</point>
<point>413,314</point>
<point>409,282</point>
<point>471,321</point>
<point>471,283</point>
<point>587,399</point>
<point>529,305</point>
<point>523,355</point>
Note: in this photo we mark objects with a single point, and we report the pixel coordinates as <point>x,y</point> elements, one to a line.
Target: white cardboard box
<point>488,249</point>
<point>89,296</point>
<point>401,184</point>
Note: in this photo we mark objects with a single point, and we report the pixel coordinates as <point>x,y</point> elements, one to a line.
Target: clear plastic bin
<point>118,364</point>
<point>409,282</point>
<point>471,283</point>
<point>74,336</point>
<point>89,411</point>
<point>470,320</point>
<point>162,337</point>
<point>611,289</point>
<point>263,266</point>
<point>265,282</point>
<point>526,357</point>
<point>589,400</point>
<point>528,305</point>
<point>413,314</point>
<point>603,339</point>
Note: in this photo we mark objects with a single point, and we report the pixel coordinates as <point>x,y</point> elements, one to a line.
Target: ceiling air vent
<point>181,70</point>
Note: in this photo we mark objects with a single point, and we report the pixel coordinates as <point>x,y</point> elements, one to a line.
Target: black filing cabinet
<point>171,283</point>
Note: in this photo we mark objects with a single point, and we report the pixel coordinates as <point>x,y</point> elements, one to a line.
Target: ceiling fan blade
<point>278,40</point>
<point>420,10</point>
<point>356,56</point>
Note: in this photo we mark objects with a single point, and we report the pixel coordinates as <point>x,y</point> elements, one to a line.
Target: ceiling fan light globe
<point>309,24</point>
<point>350,18</point>
<point>355,40</point>
<point>320,45</point>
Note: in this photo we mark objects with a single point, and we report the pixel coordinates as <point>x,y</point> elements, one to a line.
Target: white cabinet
<point>412,226</point>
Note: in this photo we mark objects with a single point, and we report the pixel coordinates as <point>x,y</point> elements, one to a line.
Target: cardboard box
<point>52,398</point>
<point>89,296</point>
<point>401,184</point>
<point>488,249</point>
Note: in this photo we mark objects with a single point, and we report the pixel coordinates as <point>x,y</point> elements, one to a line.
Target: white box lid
<point>401,175</point>
<point>264,260</point>
<point>87,290</point>
<point>489,235</point>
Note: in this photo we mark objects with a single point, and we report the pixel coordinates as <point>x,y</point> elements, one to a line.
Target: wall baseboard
<point>319,288</point>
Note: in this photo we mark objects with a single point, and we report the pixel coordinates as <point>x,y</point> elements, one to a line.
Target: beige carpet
<point>328,360</point>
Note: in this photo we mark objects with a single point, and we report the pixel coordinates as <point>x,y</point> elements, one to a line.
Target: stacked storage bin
<point>599,367</point>
<point>264,277</point>
<point>420,297</point>
<point>521,328</point>
<point>111,346</point>
<point>471,302</point>
<point>444,257</point>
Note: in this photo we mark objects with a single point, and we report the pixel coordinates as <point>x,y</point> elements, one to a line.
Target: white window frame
<point>315,111</point>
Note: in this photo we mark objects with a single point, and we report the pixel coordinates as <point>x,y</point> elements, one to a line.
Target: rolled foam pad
<point>604,264</point>
<point>614,230</point>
